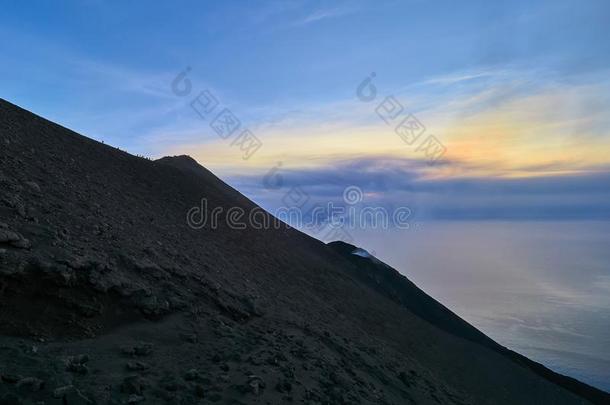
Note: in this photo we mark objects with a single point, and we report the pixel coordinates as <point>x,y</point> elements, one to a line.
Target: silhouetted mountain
<point>108,296</point>
<point>390,283</point>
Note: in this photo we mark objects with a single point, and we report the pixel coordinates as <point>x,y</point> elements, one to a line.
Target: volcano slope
<point>107,296</point>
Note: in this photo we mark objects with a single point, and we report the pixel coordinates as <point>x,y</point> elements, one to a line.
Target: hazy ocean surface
<point>539,288</point>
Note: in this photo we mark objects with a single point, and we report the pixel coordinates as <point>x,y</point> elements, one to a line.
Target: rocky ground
<point>108,297</point>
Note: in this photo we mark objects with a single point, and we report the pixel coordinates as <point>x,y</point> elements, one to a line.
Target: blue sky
<point>517,92</point>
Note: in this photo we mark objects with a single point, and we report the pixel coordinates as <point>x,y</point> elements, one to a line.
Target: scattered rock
<point>134,399</point>
<point>140,349</point>
<point>33,185</point>
<point>13,238</point>
<point>283,386</point>
<point>11,378</point>
<point>76,364</point>
<point>191,375</point>
<point>339,380</point>
<point>256,384</point>
<point>407,379</point>
<point>133,384</point>
<point>8,236</point>
<point>128,350</point>
<point>151,305</point>
<point>143,349</point>
<point>62,391</point>
<point>21,244</point>
<point>137,366</point>
<point>189,337</point>
<point>32,384</point>
<point>71,395</point>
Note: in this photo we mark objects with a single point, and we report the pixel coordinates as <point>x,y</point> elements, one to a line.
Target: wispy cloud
<point>504,127</point>
<point>459,77</point>
<point>324,14</point>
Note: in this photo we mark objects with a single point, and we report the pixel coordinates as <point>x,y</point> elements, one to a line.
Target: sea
<point>540,288</point>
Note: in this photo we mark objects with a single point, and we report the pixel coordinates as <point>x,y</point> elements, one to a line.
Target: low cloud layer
<point>393,182</point>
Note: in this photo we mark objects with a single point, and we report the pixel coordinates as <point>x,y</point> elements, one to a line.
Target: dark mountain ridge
<point>398,288</point>
<point>97,260</point>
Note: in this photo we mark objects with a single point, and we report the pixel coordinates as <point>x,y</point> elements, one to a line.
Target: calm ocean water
<point>539,288</point>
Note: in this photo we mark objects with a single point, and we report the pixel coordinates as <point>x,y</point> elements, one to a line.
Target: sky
<point>510,99</point>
